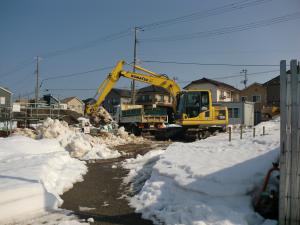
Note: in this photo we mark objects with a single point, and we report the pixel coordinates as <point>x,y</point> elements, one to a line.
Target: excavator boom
<point>146,77</point>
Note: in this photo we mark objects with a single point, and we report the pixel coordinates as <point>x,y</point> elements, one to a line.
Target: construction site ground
<point>102,193</point>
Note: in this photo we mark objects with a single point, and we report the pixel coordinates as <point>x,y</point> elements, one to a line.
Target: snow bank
<point>33,173</point>
<point>140,169</point>
<point>209,181</point>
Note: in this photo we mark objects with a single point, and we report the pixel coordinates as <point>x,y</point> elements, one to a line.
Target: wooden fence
<point>289,197</point>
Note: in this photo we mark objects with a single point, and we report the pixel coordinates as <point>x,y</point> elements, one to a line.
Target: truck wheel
<point>204,134</point>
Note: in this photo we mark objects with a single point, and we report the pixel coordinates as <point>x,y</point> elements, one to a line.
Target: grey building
<point>115,97</point>
<point>150,95</point>
<point>273,91</point>
<point>240,112</point>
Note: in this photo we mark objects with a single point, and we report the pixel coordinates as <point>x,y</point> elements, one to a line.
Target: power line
<point>89,44</point>
<point>70,89</point>
<point>77,73</point>
<point>203,14</point>
<point>210,64</point>
<point>17,68</point>
<point>227,30</point>
<point>233,76</point>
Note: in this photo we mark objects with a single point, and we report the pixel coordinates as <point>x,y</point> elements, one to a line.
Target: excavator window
<point>193,103</point>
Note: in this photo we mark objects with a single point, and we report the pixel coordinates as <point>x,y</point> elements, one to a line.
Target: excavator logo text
<point>139,78</point>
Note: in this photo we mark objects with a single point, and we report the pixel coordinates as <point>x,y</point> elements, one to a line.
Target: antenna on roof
<point>244,71</point>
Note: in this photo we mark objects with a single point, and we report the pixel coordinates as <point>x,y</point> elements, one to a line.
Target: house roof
<point>153,89</point>
<point>6,89</point>
<point>122,92</point>
<point>49,96</point>
<point>214,82</point>
<point>66,100</point>
<point>253,84</point>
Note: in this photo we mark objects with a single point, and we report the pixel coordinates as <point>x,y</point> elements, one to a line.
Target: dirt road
<point>101,194</point>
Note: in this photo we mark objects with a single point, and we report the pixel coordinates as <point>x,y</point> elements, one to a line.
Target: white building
<point>220,91</point>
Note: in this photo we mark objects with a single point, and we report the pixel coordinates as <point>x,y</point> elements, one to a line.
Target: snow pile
<point>79,145</point>
<point>209,181</point>
<point>25,132</point>
<point>33,173</point>
<point>122,137</point>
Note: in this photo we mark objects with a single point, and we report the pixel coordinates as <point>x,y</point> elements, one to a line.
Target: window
<point>228,94</point>
<point>161,98</point>
<point>2,100</point>
<point>236,113</point>
<point>222,95</point>
<point>256,98</point>
<point>244,98</point>
<point>233,112</point>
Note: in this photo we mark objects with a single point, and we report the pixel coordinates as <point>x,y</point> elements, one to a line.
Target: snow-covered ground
<point>36,167</point>
<point>33,173</point>
<point>208,182</point>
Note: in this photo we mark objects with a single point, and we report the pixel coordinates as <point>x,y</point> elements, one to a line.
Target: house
<point>273,91</point>
<point>116,97</point>
<point>256,93</point>
<point>49,100</point>
<point>240,112</point>
<point>221,92</point>
<point>153,95</point>
<point>5,103</point>
<point>74,103</point>
<point>5,97</point>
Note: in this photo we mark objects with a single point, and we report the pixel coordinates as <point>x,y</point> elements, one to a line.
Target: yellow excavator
<point>193,110</point>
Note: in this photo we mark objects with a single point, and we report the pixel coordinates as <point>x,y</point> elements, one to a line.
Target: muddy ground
<point>101,194</point>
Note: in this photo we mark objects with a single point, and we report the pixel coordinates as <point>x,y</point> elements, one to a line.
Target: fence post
<point>289,191</point>
<point>264,130</point>
<point>253,131</point>
<point>229,129</point>
<point>241,132</point>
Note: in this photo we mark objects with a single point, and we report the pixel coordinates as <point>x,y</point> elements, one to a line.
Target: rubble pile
<point>100,117</point>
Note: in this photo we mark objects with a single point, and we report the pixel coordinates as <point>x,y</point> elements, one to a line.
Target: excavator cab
<point>193,104</point>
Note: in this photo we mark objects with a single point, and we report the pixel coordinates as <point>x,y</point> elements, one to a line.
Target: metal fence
<point>289,198</point>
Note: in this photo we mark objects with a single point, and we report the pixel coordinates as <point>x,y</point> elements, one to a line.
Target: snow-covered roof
<point>6,89</point>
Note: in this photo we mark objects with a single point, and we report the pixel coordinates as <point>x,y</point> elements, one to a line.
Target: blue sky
<point>33,27</point>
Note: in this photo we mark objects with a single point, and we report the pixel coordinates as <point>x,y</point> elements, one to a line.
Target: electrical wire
<point>210,64</point>
<point>203,14</point>
<point>17,68</point>
<point>77,73</point>
<point>233,76</point>
<point>88,44</point>
<point>226,30</point>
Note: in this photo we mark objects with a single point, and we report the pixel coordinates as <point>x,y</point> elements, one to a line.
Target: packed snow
<point>58,217</point>
<point>208,182</point>
<point>33,173</point>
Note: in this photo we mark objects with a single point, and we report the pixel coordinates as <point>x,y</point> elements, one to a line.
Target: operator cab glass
<point>192,103</point>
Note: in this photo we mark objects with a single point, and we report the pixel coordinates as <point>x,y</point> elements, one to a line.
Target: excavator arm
<point>148,77</point>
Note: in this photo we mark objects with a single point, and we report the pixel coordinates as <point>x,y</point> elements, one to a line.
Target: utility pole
<point>136,29</point>
<point>244,71</point>
<point>37,89</point>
